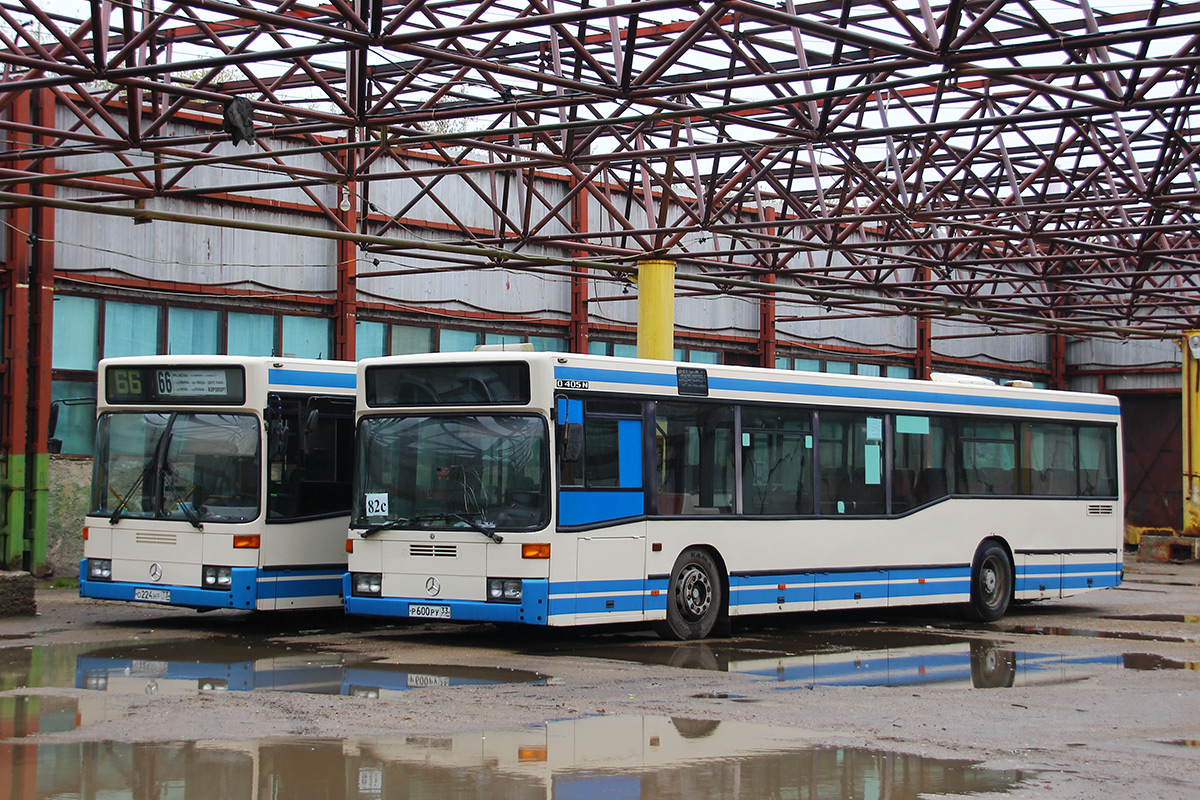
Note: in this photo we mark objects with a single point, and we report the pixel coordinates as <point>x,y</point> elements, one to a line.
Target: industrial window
<point>407,339</point>
<point>369,339</point>
<point>306,337</point>
<point>131,329</point>
<point>193,331</point>
<point>250,334</point>
<point>74,429</point>
<point>454,341</point>
<point>76,330</point>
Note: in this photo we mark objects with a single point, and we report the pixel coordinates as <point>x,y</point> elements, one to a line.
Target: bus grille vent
<point>1099,510</point>
<point>433,550</point>
<point>146,537</point>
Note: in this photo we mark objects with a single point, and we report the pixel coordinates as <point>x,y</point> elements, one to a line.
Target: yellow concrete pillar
<point>656,309</point>
<point>1191,433</point>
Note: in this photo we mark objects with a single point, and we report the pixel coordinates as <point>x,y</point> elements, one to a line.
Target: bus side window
<point>695,464</point>
<point>851,454</point>
<point>1098,461</point>
<point>777,464</point>
<point>922,449</point>
<point>1048,459</point>
<point>989,450</point>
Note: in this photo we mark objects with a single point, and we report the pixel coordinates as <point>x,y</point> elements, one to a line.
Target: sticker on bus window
<point>376,504</point>
<point>907,424</point>
<point>874,429</point>
<point>871,462</point>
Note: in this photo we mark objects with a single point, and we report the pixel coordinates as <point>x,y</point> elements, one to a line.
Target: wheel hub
<point>695,592</point>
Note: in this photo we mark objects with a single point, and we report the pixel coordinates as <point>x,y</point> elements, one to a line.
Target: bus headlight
<point>217,578</point>
<point>368,584</point>
<point>99,569</point>
<point>504,590</point>
<point>95,682</point>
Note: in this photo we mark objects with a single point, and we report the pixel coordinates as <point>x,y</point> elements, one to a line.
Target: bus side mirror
<point>572,441</point>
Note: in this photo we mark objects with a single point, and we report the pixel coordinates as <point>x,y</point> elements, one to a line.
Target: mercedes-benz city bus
<point>555,489</point>
<point>220,482</point>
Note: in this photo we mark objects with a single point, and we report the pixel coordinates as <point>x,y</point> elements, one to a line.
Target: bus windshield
<point>466,471</point>
<point>186,466</point>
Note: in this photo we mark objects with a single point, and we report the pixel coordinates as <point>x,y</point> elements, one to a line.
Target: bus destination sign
<point>163,384</point>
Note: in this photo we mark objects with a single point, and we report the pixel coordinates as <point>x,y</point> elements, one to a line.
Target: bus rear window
<point>390,386</point>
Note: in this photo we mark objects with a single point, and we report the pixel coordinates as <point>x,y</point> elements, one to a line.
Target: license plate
<point>418,681</point>
<point>432,612</point>
<point>152,595</point>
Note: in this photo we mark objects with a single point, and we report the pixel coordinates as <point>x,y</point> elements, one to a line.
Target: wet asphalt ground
<point>1094,696</point>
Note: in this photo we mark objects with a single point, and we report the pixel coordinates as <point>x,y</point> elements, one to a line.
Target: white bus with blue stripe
<point>555,489</point>
<point>220,482</point>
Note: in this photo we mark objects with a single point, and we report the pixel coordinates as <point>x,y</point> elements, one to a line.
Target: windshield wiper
<point>116,514</point>
<point>181,502</point>
<point>486,529</point>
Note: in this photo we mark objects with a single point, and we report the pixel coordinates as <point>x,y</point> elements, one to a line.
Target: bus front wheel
<point>991,583</point>
<point>694,597</point>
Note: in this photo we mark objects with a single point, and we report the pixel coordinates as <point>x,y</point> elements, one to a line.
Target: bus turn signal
<point>535,550</point>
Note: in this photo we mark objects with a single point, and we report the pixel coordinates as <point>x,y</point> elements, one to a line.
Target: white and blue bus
<point>220,482</point>
<point>555,489</point>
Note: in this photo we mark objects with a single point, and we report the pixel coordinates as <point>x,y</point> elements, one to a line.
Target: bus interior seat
<point>931,484</point>
<point>833,490</point>
<point>997,480</point>
<point>903,488</point>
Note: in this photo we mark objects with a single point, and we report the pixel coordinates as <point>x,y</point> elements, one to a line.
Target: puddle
<point>1183,742</point>
<point>189,667</point>
<point>609,757</point>
<point>1152,661</point>
<point>1156,618</point>
<point>1136,636</point>
<point>865,658</point>
<point>28,715</point>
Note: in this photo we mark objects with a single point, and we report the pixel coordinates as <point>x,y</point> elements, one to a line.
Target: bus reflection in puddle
<point>614,756</point>
<point>174,668</point>
<point>891,659</point>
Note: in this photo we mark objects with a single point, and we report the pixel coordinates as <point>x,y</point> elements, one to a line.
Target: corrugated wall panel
<point>977,342</point>
<point>209,255</point>
<point>217,175</point>
<point>1110,353</point>
<point>810,326</point>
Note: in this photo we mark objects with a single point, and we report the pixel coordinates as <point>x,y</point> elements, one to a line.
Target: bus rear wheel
<point>694,597</point>
<point>991,583</point>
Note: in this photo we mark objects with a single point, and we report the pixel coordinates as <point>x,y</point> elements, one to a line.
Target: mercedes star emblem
<point>433,587</point>
<point>155,571</point>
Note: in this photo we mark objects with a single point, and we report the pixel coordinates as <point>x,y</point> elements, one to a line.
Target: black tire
<point>991,583</point>
<point>695,597</point>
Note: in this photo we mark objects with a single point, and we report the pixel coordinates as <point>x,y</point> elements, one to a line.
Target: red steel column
<point>579,333</point>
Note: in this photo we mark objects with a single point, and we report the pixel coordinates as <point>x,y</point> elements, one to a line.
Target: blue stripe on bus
<point>299,583</point>
<point>589,507</point>
<point>303,377</point>
<point>534,608</point>
<point>763,386</point>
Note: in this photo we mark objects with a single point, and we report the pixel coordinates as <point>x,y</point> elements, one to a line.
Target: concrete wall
<point>70,487</point>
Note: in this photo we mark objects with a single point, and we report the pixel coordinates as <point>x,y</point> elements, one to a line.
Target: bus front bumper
<point>242,594</point>
<point>531,610</point>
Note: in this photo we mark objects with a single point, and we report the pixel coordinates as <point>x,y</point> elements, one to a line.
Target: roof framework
<point>1034,164</point>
